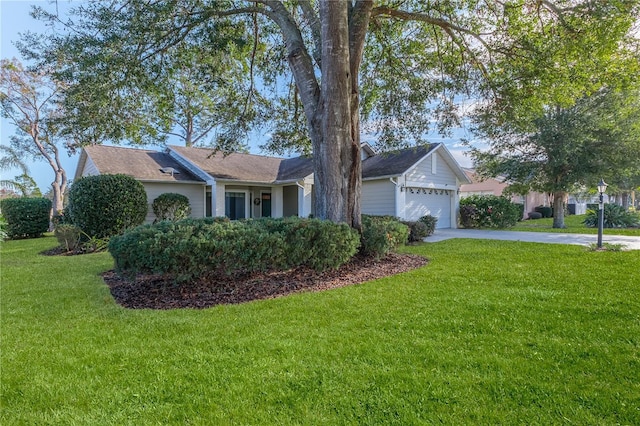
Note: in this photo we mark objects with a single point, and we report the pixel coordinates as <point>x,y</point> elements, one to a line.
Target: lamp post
<point>602,187</point>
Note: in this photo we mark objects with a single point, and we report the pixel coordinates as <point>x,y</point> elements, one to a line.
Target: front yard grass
<point>573,224</point>
<point>490,332</point>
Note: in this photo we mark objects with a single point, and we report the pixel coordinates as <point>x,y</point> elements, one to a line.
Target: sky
<point>15,19</point>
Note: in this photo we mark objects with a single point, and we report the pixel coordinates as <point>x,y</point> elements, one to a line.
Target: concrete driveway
<point>629,243</point>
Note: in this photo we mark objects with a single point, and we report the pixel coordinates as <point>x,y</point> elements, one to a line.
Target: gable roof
<point>247,167</point>
<point>395,163</point>
<point>398,162</point>
<point>142,164</point>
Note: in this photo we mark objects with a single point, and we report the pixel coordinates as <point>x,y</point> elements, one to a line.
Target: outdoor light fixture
<point>602,187</point>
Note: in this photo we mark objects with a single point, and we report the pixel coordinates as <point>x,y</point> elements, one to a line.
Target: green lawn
<point>490,332</point>
<point>574,226</point>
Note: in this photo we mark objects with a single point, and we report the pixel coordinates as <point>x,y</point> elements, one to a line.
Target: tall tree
<point>598,137</point>
<point>387,63</point>
<point>28,100</point>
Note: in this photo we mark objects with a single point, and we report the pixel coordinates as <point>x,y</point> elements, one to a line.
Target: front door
<point>265,198</point>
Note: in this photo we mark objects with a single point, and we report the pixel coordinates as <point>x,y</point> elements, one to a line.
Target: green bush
<point>381,234</point>
<point>68,236</point>
<point>106,205</point>
<point>418,231</point>
<point>544,211</point>
<point>488,211</point>
<point>3,228</point>
<point>318,244</point>
<point>26,217</point>
<point>195,247</point>
<point>171,206</point>
<point>615,216</point>
<point>430,222</point>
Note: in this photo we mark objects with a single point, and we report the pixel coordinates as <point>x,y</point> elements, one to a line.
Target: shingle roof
<point>247,167</point>
<point>394,163</point>
<point>142,164</point>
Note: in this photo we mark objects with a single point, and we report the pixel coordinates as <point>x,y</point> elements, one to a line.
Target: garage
<point>424,201</point>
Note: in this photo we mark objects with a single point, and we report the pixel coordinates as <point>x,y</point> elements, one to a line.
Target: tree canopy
<point>29,100</point>
<point>312,71</point>
<point>567,148</point>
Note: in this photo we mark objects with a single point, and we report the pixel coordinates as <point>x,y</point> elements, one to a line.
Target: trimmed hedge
<point>26,217</point>
<point>195,247</point>
<point>381,235</point>
<point>488,211</point>
<point>106,205</point>
<point>171,206</point>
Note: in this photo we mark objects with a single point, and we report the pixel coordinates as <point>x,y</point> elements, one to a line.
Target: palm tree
<point>10,159</point>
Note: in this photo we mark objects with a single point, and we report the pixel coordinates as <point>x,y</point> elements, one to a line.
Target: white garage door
<point>436,202</point>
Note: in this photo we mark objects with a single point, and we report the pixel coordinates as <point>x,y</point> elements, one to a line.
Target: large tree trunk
<point>336,155</point>
<point>558,209</point>
<point>332,107</point>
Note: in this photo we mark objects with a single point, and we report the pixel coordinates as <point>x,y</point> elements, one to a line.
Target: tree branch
<point>312,18</point>
<point>422,17</point>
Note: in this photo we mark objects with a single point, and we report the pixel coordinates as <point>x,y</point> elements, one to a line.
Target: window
<point>235,205</point>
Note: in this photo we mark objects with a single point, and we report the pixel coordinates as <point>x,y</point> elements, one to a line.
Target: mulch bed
<point>158,292</point>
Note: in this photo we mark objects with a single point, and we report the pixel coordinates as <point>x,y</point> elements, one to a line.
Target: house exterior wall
<point>195,193</point>
<point>378,197</point>
<point>90,168</point>
<point>423,174</point>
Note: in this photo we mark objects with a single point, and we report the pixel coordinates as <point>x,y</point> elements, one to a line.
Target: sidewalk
<point>629,243</point>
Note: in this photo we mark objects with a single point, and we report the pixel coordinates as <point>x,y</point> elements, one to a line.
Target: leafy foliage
<point>417,230</point>
<point>106,205</point>
<point>409,59</point>
<point>488,211</point>
<point>195,247</point>
<point>171,206</point>
<point>68,236</point>
<point>615,216</point>
<point>381,235</point>
<point>26,217</point>
<point>545,211</point>
<point>430,222</point>
<point>3,228</point>
<point>564,145</point>
<point>29,100</point>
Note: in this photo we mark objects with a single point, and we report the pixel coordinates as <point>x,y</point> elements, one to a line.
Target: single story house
<point>408,183</point>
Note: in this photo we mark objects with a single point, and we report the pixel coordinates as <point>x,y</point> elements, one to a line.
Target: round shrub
<point>381,234</point>
<point>26,217</point>
<point>418,231</point>
<point>615,216</point>
<point>106,205</point>
<point>171,206</point>
<point>430,222</point>
<point>488,211</point>
<point>545,211</point>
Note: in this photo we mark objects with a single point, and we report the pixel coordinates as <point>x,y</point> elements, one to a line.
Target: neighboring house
<point>409,183</point>
<point>496,186</point>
